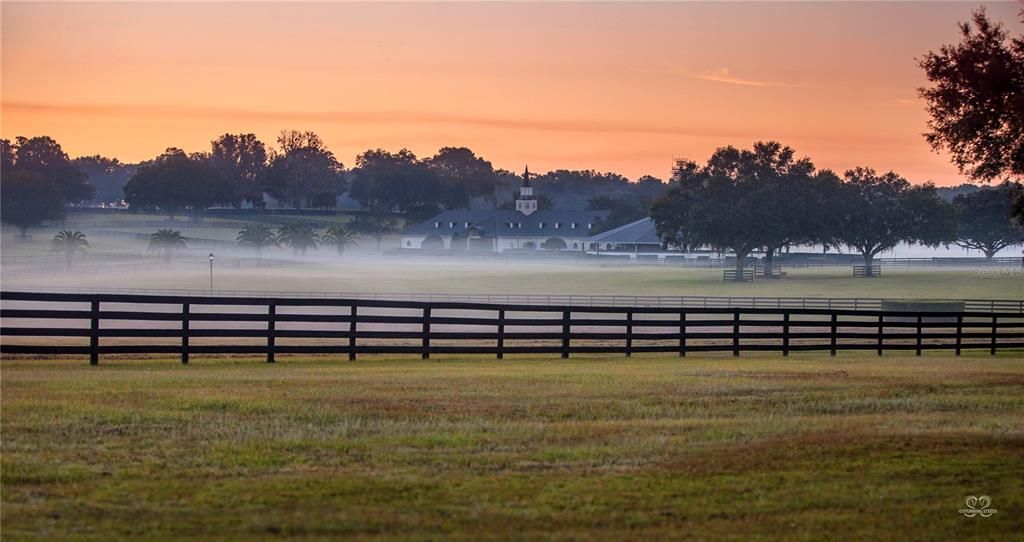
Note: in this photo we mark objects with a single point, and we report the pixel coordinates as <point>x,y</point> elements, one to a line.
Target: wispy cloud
<point>364,117</point>
<point>722,75</point>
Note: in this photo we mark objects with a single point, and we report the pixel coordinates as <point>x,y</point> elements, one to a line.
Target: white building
<point>525,228</point>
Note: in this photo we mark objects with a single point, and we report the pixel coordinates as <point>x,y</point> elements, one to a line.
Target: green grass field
<point>804,448</point>
<point>354,275</point>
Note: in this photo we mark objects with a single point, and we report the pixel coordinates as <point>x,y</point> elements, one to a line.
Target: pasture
<point>354,274</point>
<point>761,447</point>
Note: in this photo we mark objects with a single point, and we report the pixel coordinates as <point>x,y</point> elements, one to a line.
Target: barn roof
<point>510,223</point>
<point>641,232</point>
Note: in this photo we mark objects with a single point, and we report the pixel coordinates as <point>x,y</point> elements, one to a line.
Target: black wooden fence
<point>44,323</point>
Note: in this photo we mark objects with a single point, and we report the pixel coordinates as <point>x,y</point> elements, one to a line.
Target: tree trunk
<point>990,253</point>
<point>869,258</point>
<point>740,261</point>
<point>769,259</point>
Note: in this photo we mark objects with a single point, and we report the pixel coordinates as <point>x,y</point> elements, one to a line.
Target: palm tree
<point>69,242</point>
<point>166,241</point>
<point>256,236</point>
<point>298,235</point>
<point>339,236</point>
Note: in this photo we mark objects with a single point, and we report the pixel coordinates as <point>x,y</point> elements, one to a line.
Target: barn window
<point>590,225</point>
<point>573,225</point>
<point>437,224</point>
<point>519,225</point>
<point>558,225</point>
<point>541,225</point>
<point>467,224</point>
<point>451,224</point>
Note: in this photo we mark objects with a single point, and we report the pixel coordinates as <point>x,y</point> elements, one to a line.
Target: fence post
<point>959,332</point>
<point>565,334</point>
<point>992,348</point>
<point>271,330</point>
<point>94,334</point>
<point>918,337</point>
<point>833,339</point>
<point>426,333</point>
<point>184,333</point>
<point>629,334</point>
<point>736,333</point>
<point>785,333</point>
<point>881,335</point>
<point>501,333</point>
<point>353,314</point>
<point>682,333</point>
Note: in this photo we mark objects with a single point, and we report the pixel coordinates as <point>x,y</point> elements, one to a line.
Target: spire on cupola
<point>526,203</point>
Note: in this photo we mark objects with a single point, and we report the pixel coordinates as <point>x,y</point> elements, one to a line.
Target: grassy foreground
<point>808,448</point>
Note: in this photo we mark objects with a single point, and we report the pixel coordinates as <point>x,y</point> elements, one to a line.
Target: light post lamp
<point>211,273</point>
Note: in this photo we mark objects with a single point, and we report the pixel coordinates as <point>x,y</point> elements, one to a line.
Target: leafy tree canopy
<point>242,160</point>
<point>386,181</point>
<point>44,157</point>
<point>463,176</point>
<point>976,100</point>
<point>304,171</point>
<point>879,211</point>
<point>27,199</point>
<point>175,182</point>
<point>984,219</point>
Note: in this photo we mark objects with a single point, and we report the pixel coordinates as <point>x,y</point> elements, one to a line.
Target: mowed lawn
<point>805,448</point>
<point>401,276</point>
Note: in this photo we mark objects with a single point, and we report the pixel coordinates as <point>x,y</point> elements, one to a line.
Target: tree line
<point>767,199</point>
<point>299,172</point>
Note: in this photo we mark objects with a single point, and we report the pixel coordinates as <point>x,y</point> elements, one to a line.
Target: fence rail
<point>585,300</point>
<point>361,326</point>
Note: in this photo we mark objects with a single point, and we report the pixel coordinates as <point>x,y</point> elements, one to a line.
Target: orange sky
<point>624,87</point>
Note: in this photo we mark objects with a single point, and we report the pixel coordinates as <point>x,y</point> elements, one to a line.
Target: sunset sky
<point>622,87</point>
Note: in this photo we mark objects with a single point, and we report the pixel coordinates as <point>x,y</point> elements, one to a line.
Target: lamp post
<point>211,273</point>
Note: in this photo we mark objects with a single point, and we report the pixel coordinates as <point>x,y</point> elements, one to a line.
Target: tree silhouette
<point>304,171</point>
<point>879,212</point>
<point>175,182</point>
<point>69,243</point>
<point>256,236</point>
<point>167,242</point>
<point>340,237</point>
<point>385,181</point>
<point>984,219</point>
<point>242,160</point>
<point>27,199</point>
<point>108,175</point>
<point>704,208</point>
<point>463,176</point>
<point>976,102</point>
<point>42,156</point>
<point>300,236</point>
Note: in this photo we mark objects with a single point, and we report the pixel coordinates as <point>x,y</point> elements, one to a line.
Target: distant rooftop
<point>551,223</point>
<point>642,232</point>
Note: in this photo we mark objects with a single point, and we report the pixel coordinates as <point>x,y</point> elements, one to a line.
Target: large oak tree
<point>877,212</point>
<point>984,219</point>
<point>175,182</point>
<point>304,171</point>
